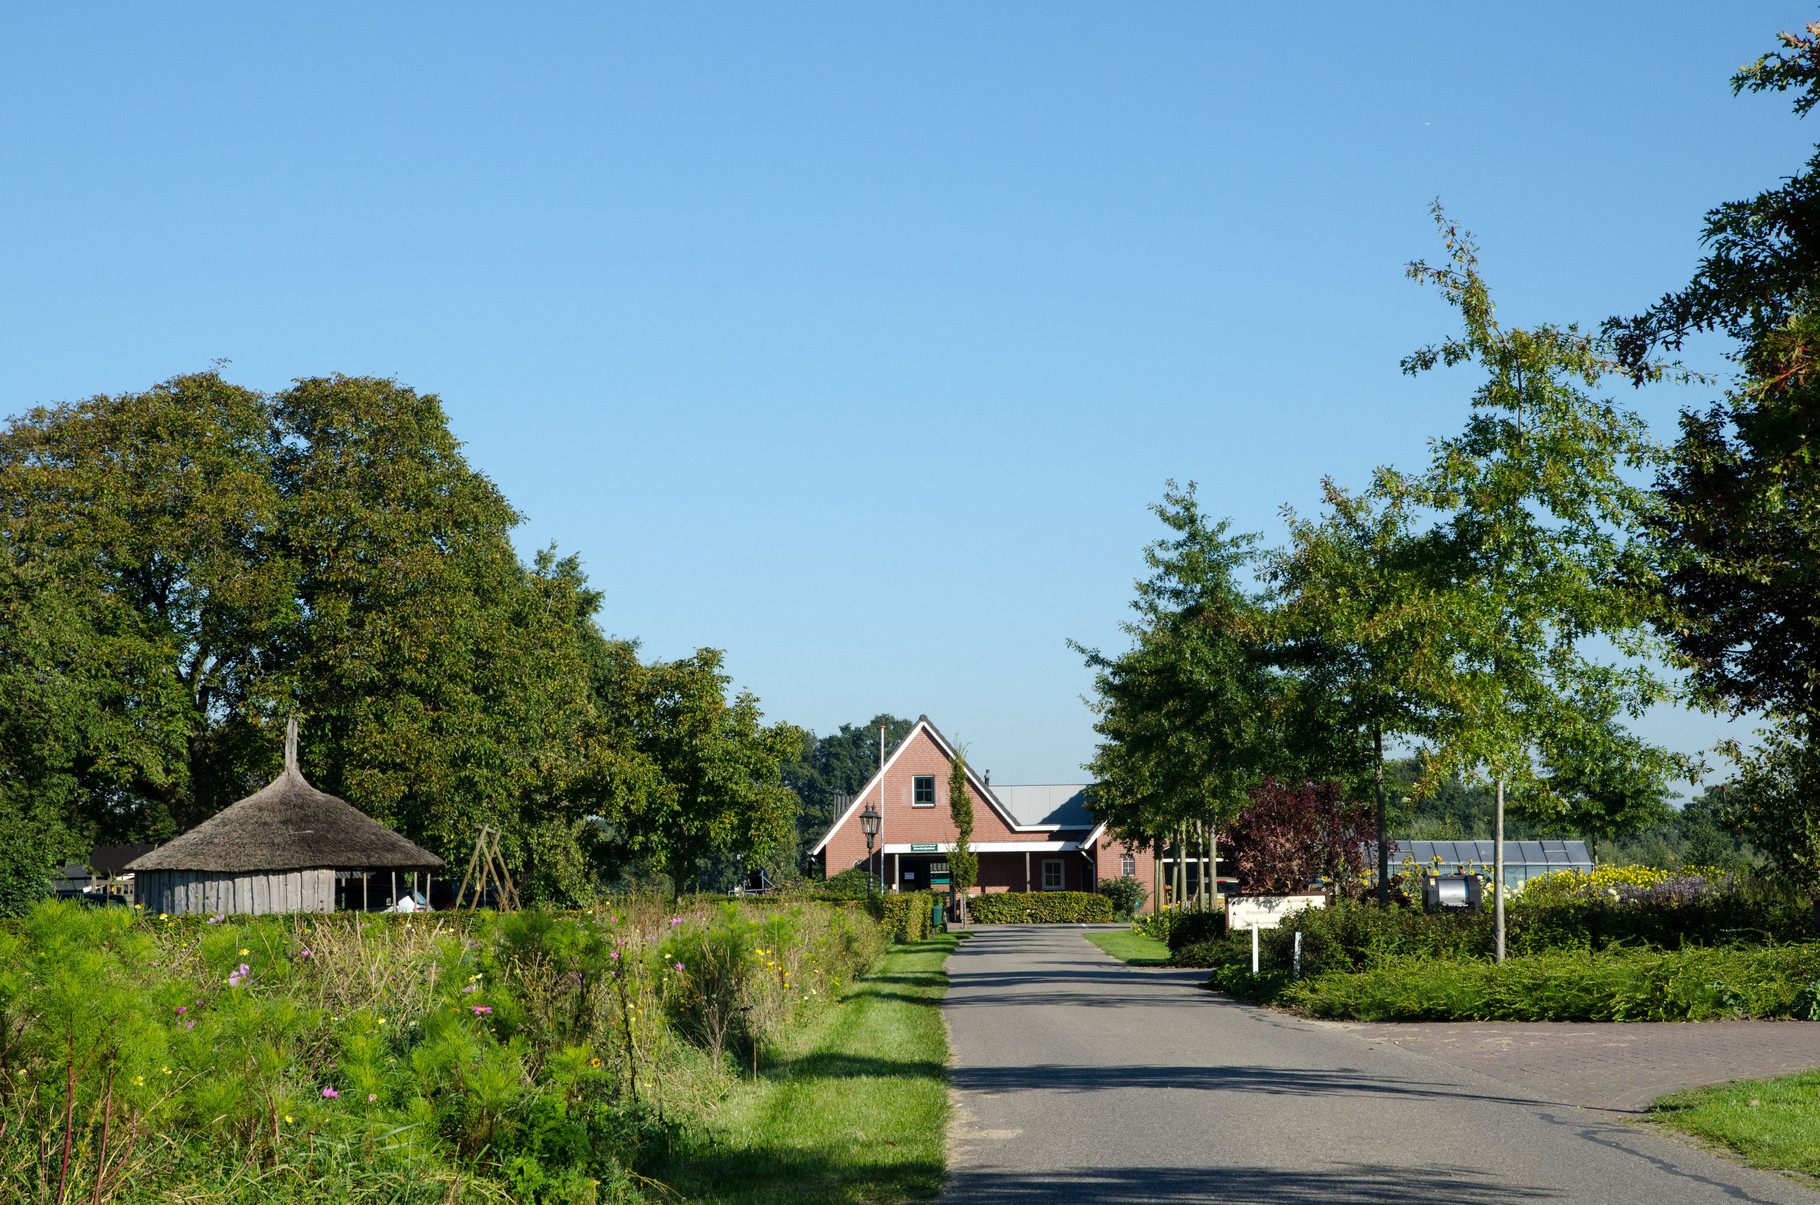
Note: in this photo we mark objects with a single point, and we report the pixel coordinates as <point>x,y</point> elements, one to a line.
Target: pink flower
<point>614,954</point>
<point>469,988</point>
<point>330,1094</point>
<point>679,966</point>
<point>182,1008</point>
<point>236,978</point>
<point>481,1009</point>
<point>676,920</point>
<point>307,954</point>
<point>372,1097</point>
<point>189,1025</point>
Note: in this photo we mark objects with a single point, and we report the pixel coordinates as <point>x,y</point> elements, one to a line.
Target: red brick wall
<point>904,823</point>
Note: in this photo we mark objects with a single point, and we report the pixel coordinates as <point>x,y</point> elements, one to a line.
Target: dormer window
<point>923,788</point>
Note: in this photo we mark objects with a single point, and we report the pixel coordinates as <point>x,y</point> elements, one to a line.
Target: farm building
<point>288,848</point>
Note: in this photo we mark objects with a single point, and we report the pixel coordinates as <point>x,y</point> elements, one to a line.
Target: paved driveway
<point>1079,1079</point>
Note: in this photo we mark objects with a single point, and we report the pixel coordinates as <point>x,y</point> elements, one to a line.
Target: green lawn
<point>1772,1123</point>
<point>1134,948</point>
<point>854,1110</point>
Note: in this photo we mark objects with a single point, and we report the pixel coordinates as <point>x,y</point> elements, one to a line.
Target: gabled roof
<point>1038,808</point>
<point>289,825</point>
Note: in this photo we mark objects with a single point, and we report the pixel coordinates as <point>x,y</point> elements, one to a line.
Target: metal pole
<point>1497,871</point>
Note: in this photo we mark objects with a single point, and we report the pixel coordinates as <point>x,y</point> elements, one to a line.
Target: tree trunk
<point>1377,749</point>
<point>1497,872</point>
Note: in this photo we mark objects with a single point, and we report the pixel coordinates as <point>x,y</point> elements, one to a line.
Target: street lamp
<point>868,824</point>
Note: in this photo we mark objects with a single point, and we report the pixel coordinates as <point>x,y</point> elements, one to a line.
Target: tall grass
<point>529,1057</point>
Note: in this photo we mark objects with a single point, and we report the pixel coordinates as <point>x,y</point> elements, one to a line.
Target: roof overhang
<point>984,847</point>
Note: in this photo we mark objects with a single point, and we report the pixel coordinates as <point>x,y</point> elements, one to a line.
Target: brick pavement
<point>1619,1067</point>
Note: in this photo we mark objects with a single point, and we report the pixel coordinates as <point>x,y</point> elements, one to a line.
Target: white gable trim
<point>877,779</point>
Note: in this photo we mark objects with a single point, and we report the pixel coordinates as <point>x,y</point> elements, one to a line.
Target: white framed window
<point>923,791</point>
<point>1052,874</point>
<point>1128,865</point>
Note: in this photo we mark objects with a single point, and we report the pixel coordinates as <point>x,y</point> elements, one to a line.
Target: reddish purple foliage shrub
<point>1291,836</point>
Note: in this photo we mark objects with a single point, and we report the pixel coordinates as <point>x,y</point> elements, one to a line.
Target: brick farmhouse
<point>1029,838</point>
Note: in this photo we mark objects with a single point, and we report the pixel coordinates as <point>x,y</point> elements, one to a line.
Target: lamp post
<point>868,824</point>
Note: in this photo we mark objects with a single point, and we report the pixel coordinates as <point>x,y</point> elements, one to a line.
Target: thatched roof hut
<point>283,849</point>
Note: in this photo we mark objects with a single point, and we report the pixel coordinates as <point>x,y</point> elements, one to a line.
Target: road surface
<point>1080,1080</point>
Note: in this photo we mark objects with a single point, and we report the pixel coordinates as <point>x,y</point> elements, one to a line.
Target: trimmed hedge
<point>1617,984</point>
<point>1040,907</point>
<point>905,915</point>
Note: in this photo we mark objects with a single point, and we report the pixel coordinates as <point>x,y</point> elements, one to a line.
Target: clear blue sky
<point>854,339</point>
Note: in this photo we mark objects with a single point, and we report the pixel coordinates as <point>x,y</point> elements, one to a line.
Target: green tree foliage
<point>1739,522</point>
<point>963,863</point>
<point>1536,551</point>
<point>1187,717</point>
<point>837,764</point>
<point>1360,627</point>
<point>186,566</point>
<point>690,772</point>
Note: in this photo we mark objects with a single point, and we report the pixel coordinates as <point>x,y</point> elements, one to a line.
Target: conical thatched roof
<point>289,825</point>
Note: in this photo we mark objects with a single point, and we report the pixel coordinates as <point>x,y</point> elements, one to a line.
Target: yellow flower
<point>166,1070</point>
<point>287,1119</point>
<point>243,951</point>
<point>138,1079</point>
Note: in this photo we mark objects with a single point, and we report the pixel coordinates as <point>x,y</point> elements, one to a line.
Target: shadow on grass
<point>847,1171</point>
<point>1259,1185</point>
<point>831,1065</point>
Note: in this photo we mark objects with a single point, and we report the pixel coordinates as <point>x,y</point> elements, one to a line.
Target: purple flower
<point>614,954</point>
<point>189,1025</point>
<point>182,1008</point>
<point>469,988</point>
<point>330,1094</point>
<point>236,978</point>
<point>372,1096</point>
<point>481,1009</point>
<point>679,966</point>
<point>307,954</point>
<point>676,920</point>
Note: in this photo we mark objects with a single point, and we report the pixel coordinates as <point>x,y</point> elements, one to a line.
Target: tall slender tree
<point>1360,625</point>
<point>1538,516</point>
<point>1188,716</point>
<point>963,863</point>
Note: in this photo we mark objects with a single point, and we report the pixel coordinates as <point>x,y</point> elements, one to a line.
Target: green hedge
<point>1691,984</point>
<point>905,915</point>
<point>1040,907</point>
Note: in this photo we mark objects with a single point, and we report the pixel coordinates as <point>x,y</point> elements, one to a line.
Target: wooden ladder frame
<point>491,865</point>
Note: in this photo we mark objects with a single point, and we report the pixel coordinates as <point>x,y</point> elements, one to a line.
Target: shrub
<point>388,1058</point>
<point>849,884</point>
<point>1214,952</point>
<point>1564,985</point>
<point>1291,837</point>
<point>1040,907</point>
<point>1193,928</point>
<point>905,915</point>
<point>1126,894</point>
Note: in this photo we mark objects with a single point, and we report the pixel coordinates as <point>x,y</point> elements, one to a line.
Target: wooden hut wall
<point>195,891</point>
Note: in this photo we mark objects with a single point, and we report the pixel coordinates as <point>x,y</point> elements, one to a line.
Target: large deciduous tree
<point>691,771</point>
<point>1738,529</point>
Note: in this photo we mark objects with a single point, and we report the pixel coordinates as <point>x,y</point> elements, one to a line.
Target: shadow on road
<point>1270,1081</point>
<point>1341,1182</point>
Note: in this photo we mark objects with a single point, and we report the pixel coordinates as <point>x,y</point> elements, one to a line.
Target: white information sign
<point>1266,911</point>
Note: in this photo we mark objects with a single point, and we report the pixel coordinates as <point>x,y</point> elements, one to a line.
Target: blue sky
<point>856,339</point>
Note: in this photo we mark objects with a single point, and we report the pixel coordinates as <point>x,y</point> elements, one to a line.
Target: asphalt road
<point>1080,1080</point>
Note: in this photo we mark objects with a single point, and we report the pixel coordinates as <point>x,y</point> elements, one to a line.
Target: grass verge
<point>1771,1123</point>
<point>851,1109</point>
<point>1132,948</point>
